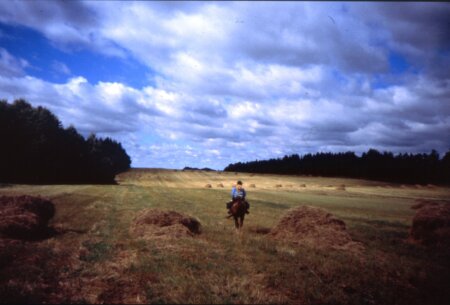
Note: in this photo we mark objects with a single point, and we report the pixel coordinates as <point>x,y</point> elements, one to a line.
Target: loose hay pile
<point>154,223</point>
<point>340,187</point>
<point>314,227</point>
<point>25,217</point>
<point>423,202</point>
<point>431,224</point>
<point>29,270</point>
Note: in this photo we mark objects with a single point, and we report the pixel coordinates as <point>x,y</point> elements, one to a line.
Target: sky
<point>206,84</point>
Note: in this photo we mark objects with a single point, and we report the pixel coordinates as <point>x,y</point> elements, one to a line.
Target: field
<point>96,259</point>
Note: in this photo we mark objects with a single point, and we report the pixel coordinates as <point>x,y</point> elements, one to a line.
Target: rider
<point>238,192</point>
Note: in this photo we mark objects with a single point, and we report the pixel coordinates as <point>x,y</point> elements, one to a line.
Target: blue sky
<point>57,65</point>
<point>205,84</point>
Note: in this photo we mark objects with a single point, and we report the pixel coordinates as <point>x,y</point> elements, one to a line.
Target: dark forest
<point>36,149</point>
<point>402,168</point>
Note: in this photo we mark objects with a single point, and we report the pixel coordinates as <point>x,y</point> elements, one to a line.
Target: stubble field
<point>96,258</point>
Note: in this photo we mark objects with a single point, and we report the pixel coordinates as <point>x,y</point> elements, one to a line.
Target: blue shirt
<point>235,193</point>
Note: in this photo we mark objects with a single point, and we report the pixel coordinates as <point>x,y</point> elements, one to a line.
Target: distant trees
<point>206,169</point>
<point>35,148</point>
<point>374,165</point>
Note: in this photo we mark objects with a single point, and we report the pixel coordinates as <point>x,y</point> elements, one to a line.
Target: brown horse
<point>238,212</point>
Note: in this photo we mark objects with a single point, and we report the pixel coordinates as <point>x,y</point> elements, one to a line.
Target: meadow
<point>95,258</point>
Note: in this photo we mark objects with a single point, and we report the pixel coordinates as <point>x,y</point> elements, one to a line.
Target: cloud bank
<point>238,81</point>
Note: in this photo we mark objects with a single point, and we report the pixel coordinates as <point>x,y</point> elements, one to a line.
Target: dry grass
<point>98,259</point>
<point>431,224</point>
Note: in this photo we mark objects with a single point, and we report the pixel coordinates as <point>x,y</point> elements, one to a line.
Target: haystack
<point>315,227</point>
<point>340,187</point>
<point>25,217</point>
<point>154,223</point>
<point>431,225</point>
<point>423,202</point>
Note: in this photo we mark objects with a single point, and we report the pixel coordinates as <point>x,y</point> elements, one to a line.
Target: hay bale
<point>153,223</point>
<point>25,217</point>
<point>252,185</point>
<point>431,225</point>
<point>208,186</point>
<point>315,227</point>
<point>340,187</point>
<point>423,202</point>
<point>220,185</point>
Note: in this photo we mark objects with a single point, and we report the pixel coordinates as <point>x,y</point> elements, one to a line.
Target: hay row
<point>220,185</point>
<point>253,185</point>
<point>304,225</point>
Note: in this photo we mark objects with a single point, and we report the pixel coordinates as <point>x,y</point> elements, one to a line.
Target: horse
<point>237,210</point>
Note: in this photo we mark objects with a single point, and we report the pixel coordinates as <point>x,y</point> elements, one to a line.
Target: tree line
<point>418,168</point>
<point>35,148</point>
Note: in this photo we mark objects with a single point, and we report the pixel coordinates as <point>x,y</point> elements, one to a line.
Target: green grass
<point>220,266</point>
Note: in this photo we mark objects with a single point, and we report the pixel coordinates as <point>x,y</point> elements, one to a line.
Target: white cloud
<point>11,66</point>
<point>60,68</point>
<point>242,81</point>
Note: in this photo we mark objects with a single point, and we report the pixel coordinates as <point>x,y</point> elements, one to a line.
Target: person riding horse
<point>238,192</point>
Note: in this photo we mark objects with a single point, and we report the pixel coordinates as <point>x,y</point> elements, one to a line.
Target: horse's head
<point>238,207</point>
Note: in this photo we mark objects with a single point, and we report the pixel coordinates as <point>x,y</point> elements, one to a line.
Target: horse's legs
<point>236,223</point>
<point>241,221</point>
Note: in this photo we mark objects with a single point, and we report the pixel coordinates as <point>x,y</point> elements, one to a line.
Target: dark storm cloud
<point>69,25</point>
<point>419,24</point>
<point>43,14</point>
<point>408,138</point>
<point>419,31</point>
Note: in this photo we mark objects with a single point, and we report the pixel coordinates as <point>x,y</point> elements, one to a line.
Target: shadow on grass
<point>267,204</point>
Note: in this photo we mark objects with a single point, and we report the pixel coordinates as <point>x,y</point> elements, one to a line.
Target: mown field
<point>95,258</point>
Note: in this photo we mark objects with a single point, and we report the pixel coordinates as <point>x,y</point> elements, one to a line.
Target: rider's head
<point>239,184</point>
